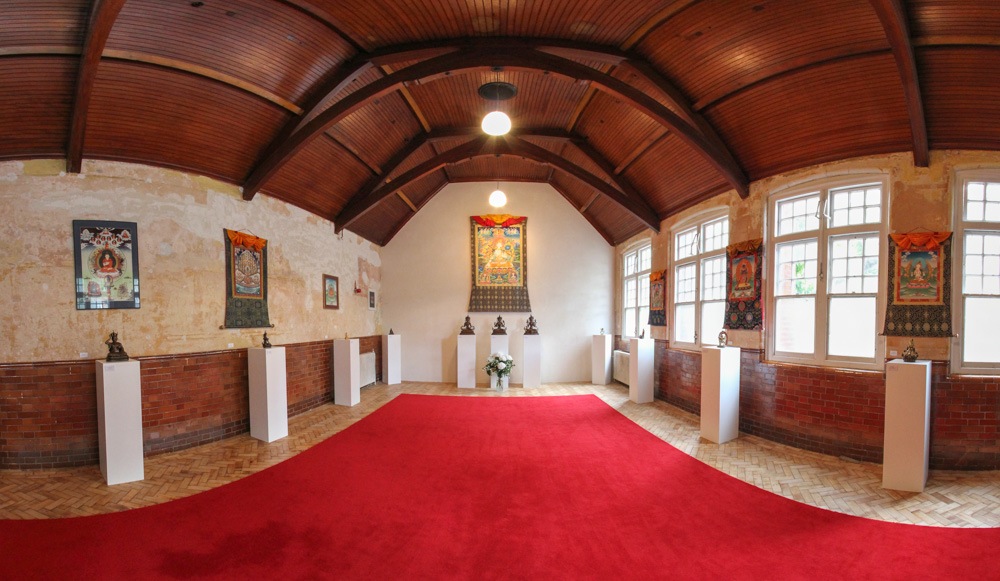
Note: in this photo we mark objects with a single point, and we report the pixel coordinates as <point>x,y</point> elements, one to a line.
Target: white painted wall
<point>427,279</point>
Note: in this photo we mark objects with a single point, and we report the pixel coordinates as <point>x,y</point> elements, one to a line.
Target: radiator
<point>619,366</point>
<point>367,362</point>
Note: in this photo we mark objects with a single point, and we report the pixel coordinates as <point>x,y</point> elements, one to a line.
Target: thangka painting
<point>744,307</point>
<point>919,285</point>
<point>657,299</point>
<point>499,264</point>
<point>106,260</point>
<point>246,280</point>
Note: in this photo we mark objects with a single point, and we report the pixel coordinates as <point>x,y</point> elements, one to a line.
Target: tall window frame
<point>698,288</point>
<point>975,271</point>
<point>826,288</point>
<point>637,264</point>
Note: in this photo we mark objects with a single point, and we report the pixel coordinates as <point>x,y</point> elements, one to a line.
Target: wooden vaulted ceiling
<point>361,110</point>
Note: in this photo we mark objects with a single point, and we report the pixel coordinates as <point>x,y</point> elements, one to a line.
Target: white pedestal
<point>601,356</point>
<point>640,370</point>
<point>907,425</point>
<point>391,359</point>
<point>346,372</point>
<point>500,344</point>
<point>467,361</point>
<point>119,421</point>
<point>532,361</point>
<point>268,393</point>
<point>720,393</point>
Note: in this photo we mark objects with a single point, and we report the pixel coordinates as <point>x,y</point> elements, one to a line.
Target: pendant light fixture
<point>496,122</point>
<point>498,199</point>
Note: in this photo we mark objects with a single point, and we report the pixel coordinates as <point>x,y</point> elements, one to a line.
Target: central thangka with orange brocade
<point>499,264</point>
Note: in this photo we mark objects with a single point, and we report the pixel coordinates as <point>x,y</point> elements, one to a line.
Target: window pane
<point>643,293</point>
<point>713,278</point>
<point>630,263</point>
<point>796,268</point>
<point>684,323</point>
<point>684,283</point>
<point>854,263</point>
<point>795,324</point>
<point>981,263</point>
<point>982,319</point>
<point>644,258</point>
<point>628,329</point>
<point>797,215</point>
<point>644,322</point>
<point>684,244</point>
<point>712,317</point>
<point>856,205</point>
<point>852,327</point>
<point>630,292</point>
<point>715,235</point>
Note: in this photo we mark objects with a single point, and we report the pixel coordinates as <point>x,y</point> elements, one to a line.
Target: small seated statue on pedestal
<point>499,328</point>
<point>267,342</point>
<point>467,328</point>
<point>115,350</point>
<point>532,327</point>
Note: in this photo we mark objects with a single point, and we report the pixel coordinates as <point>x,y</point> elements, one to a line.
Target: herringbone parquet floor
<point>958,499</point>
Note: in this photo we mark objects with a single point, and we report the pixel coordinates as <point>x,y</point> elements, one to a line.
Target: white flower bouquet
<point>499,365</point>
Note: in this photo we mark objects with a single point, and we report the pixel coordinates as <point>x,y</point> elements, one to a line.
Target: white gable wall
<point>427,279</point>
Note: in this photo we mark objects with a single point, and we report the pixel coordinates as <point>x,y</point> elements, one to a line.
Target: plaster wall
<point>180,220</point>
<point>427,279</point>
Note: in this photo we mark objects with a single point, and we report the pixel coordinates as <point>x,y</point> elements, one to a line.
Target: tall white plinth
<point>532,361</point>
<point>907,425</point>
<point>391,359</point>
<point>640,370</point>
<point>467,361</point>
<point>268,393</point>
<point>346,372</point>
<point>119,421</point>
<point>500,344</point>
<point>601,356</point>
<point>720,393</point>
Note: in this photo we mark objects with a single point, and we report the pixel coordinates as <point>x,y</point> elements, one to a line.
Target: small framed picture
<point>371,300</point>
<point>331,292</point>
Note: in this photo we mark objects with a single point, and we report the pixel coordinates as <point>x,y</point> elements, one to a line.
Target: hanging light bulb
<point>496,123</point>
<point>498,199</point>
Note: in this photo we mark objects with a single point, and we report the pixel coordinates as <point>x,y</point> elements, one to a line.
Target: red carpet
<point>489,488</point>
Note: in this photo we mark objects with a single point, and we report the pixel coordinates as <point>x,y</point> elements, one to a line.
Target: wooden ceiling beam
<point>636,205</point>
<point>102,19</point>
<point>602,162</point>
<point>360,204</point>
<point>594,53</point>
<point>892,15</point>
<point>531,60</point>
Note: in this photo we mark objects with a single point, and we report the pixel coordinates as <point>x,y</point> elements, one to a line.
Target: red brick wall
<point>193,399</point>
<point>841,412</point>
<point>965,421</point>
<point>48,411</point>
<point>48,415</point>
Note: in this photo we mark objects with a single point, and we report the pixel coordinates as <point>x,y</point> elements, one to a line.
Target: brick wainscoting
<point>842,412</point>
<point>48,410</point>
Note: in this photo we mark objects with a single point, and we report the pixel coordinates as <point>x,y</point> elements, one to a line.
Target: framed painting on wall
<point>371,300</point>
<point>331,292</point>
<point>106,261</point>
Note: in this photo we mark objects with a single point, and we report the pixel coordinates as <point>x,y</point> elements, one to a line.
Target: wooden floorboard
<point>951,498</point>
